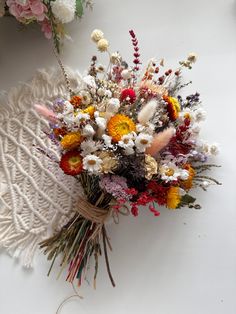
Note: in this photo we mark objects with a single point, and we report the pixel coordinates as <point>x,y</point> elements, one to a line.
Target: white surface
<point>184,261</point>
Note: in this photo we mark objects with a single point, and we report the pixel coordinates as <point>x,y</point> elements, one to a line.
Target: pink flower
<point>47,113</point>
<point>46,28</point>
<point>24,10</point>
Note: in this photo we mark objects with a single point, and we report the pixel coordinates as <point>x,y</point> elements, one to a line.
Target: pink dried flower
<point>116,186</point>
<point>47,113</point>
<point>160,140</point>
<point>46,28</point>
<point>27,10</point>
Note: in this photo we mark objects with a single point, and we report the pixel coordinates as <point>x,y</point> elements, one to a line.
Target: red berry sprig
<point>136,54</point>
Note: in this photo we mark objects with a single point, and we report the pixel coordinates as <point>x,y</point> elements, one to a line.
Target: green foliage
<point>79,8</point>
<point>186,200</point>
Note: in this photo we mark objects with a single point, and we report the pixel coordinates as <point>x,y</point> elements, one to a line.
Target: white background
<point>183,262</point>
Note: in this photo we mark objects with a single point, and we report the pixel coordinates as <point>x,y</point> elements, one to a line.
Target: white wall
<point>183,262</point>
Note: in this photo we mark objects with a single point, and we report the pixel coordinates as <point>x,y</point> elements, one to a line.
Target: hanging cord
<point>67,81</point>
<point>76,295</point>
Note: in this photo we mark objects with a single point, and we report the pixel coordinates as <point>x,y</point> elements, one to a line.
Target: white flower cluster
<point>64,10</point>
<point>170,172</point>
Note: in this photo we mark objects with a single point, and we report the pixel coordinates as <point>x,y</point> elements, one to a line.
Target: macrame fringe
<point>45,85</point>
<point>17,243</point>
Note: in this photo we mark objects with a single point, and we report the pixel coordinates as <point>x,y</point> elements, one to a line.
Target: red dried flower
<point>154,211</point>
<point>71,163</point>
<point>134,210</point>
<point>129,95</point>
<point>159,192</point>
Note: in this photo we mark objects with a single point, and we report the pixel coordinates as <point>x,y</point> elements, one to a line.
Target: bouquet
<point>51,15</point>
<point>132,141</point>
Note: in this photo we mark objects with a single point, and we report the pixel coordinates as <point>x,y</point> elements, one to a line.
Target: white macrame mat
<point>36,197</point>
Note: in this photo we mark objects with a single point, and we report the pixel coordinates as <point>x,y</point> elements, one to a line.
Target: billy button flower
<point>76,101</point>
<point>71,140</point>
<point>173,107</point>
<point>71,163</point>
<point>120,125</point>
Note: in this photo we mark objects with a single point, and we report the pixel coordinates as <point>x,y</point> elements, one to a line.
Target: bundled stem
<point>81,237</point>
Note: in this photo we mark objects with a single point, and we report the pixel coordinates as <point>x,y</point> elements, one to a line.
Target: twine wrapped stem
<point>82,236</point>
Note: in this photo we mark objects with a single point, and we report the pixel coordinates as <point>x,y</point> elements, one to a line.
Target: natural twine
<point>92,212</point>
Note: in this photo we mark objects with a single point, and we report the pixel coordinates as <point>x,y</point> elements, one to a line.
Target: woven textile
<point>35,195</point>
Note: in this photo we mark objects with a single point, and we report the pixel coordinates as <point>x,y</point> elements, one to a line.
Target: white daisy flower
<point>92,164</point>
<point>143,141</point>
<point>88,130</point>
<point>126,141</point>
<point>169,172</point>
<point>88,147</point>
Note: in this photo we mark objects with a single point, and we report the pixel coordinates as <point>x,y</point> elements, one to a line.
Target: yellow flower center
<point>144,142</point>
<point>169,172</point>
<point>92,162</point>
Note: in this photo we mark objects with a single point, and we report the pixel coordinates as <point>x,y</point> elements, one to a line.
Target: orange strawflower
<point>120,125</point>
<point>173,107</point>
<point>71,140</point>
<point>173,197</point>
<point>187,184</point>
<point>76,101</point>
<point>71,163</point>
